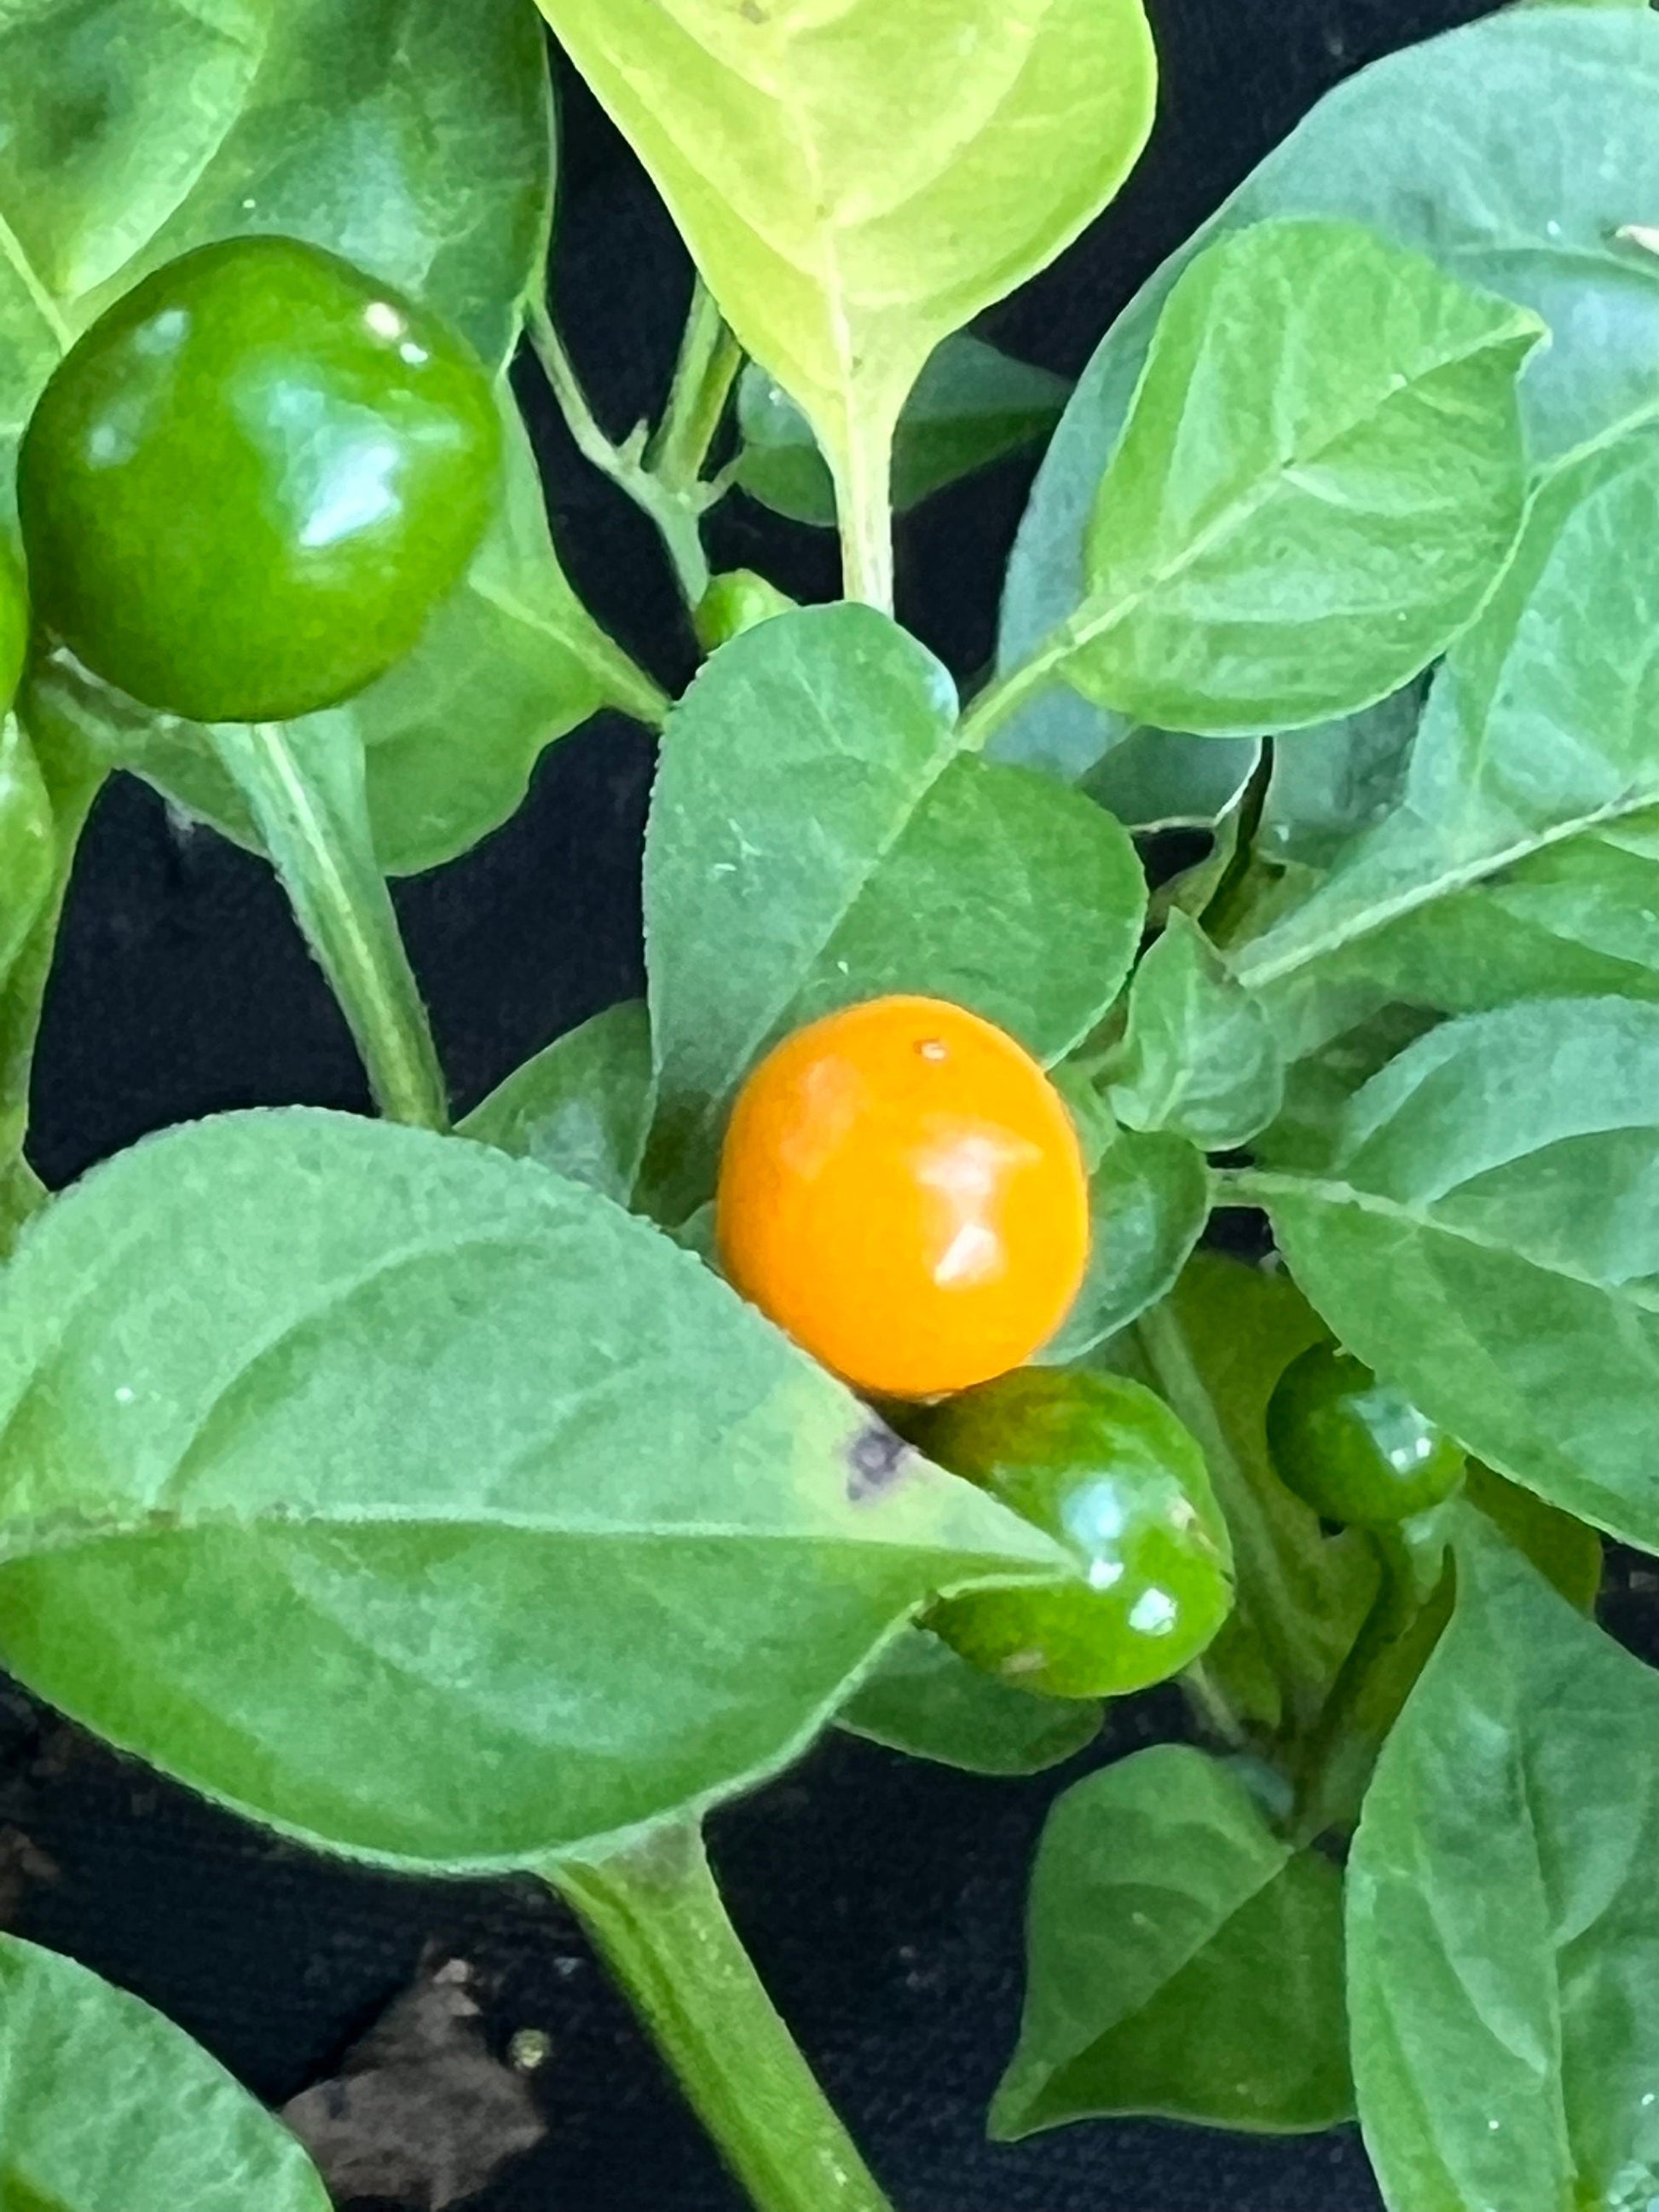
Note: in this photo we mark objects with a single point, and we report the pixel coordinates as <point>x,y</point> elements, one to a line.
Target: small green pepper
<point>1354,1449</point>
<point>736,600</point>
<point>14,625</point>
<point>1104,1467</point>
<point>248,484</point>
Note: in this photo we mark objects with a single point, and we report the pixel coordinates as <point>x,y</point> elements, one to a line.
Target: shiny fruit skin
<point>1104,1467</point>
<point>902,1191</point>
<point>1355,1449</point>
<point>248,484</point>
<point>736,600</point>
<point>14,625</point>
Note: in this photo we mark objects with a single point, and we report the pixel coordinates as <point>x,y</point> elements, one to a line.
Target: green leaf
<point>1501,1910</point>
<point>1564,1551</point>
<point>1148,1199</point>
<point>1150,780</point>
<point>425,1505</point>
<point>1572,921</point>
<point>1319,1087</point>
<point>1469,148</point>
<point>508,664</point>
<point>1318,483</point>
<point>581,1107</point>
<point>1486,1234</point>
<point>104,2107</point>
<point>1538,731</point>
<point>1330,783</point>
<point>817,838</point>
<point>411,138</point>
<point>1184,1961</point>
<point>855,185</point>
<point>1198,1056</point>
<point>971,405</point>
<point>1215,1350</point>
<point>924,1700</point>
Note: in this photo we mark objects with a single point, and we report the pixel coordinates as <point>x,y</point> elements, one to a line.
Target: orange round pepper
<point>902,1191</point>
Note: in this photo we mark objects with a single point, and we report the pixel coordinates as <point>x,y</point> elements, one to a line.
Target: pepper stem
<point>306,790</point>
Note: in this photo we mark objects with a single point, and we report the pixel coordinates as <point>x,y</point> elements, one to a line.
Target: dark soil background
<point>883,1899</point>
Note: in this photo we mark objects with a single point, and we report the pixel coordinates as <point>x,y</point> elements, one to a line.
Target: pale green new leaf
<point>104,2107</point>
<point>1184,1961</point>
<point>856,181</point>
<point>1502,1917</point>
<point>581,1107</point>
<point>1538,733</point>
<point>818,838</point>
<point>1198,1056</point>
<point>426,1505</point>
<point>1471,148</point>
<point>1486,1233</point>
<point>971,405</point>
<point>1319,481</point>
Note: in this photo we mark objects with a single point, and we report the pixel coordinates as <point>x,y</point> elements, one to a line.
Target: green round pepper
<point>1354,1449</point>
<point>249,483</point>
<point>14,625</point>
<point>736,600</point>
<point>1104,1467</point>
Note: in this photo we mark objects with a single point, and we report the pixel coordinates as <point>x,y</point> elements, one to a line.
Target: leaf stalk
<point>654,1913</point>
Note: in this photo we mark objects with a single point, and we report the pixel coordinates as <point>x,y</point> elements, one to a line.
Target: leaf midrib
<point>712,1104</point>
<point>1259,973</point>
<point>52,1535</point>
<point>34,286</point>
<point>1082,630</point>
<point>1266,1185</point>
<point>1180,1961</point>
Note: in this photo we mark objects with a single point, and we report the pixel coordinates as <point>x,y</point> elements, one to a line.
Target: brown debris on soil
<point>422,2111</point>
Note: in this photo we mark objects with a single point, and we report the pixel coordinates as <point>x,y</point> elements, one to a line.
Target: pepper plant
<point>838,1337</point>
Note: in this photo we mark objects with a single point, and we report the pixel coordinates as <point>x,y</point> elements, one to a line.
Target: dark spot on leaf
<point>752,12</point>
<point>878,1462</point>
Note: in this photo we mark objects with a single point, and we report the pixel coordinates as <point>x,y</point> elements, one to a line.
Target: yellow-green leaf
<point>857,180</point>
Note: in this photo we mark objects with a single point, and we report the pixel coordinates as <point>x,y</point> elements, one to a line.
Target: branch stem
<point>654,1913</point>
<point>710,358</point>
<point>677,511</point>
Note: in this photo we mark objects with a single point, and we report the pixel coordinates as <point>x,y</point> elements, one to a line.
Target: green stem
<point>1006,696</point>
<point>864,512</point>
<point>654,1913</point>
<point>677,514</point>
<point>1375,1678</point>
<point>710,358</point>
<point>306,791</point>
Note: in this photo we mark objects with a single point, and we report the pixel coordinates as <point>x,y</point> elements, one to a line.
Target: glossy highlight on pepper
<point>247,485</point>
<point>1103,1466</point>
<point>902,1190</point>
